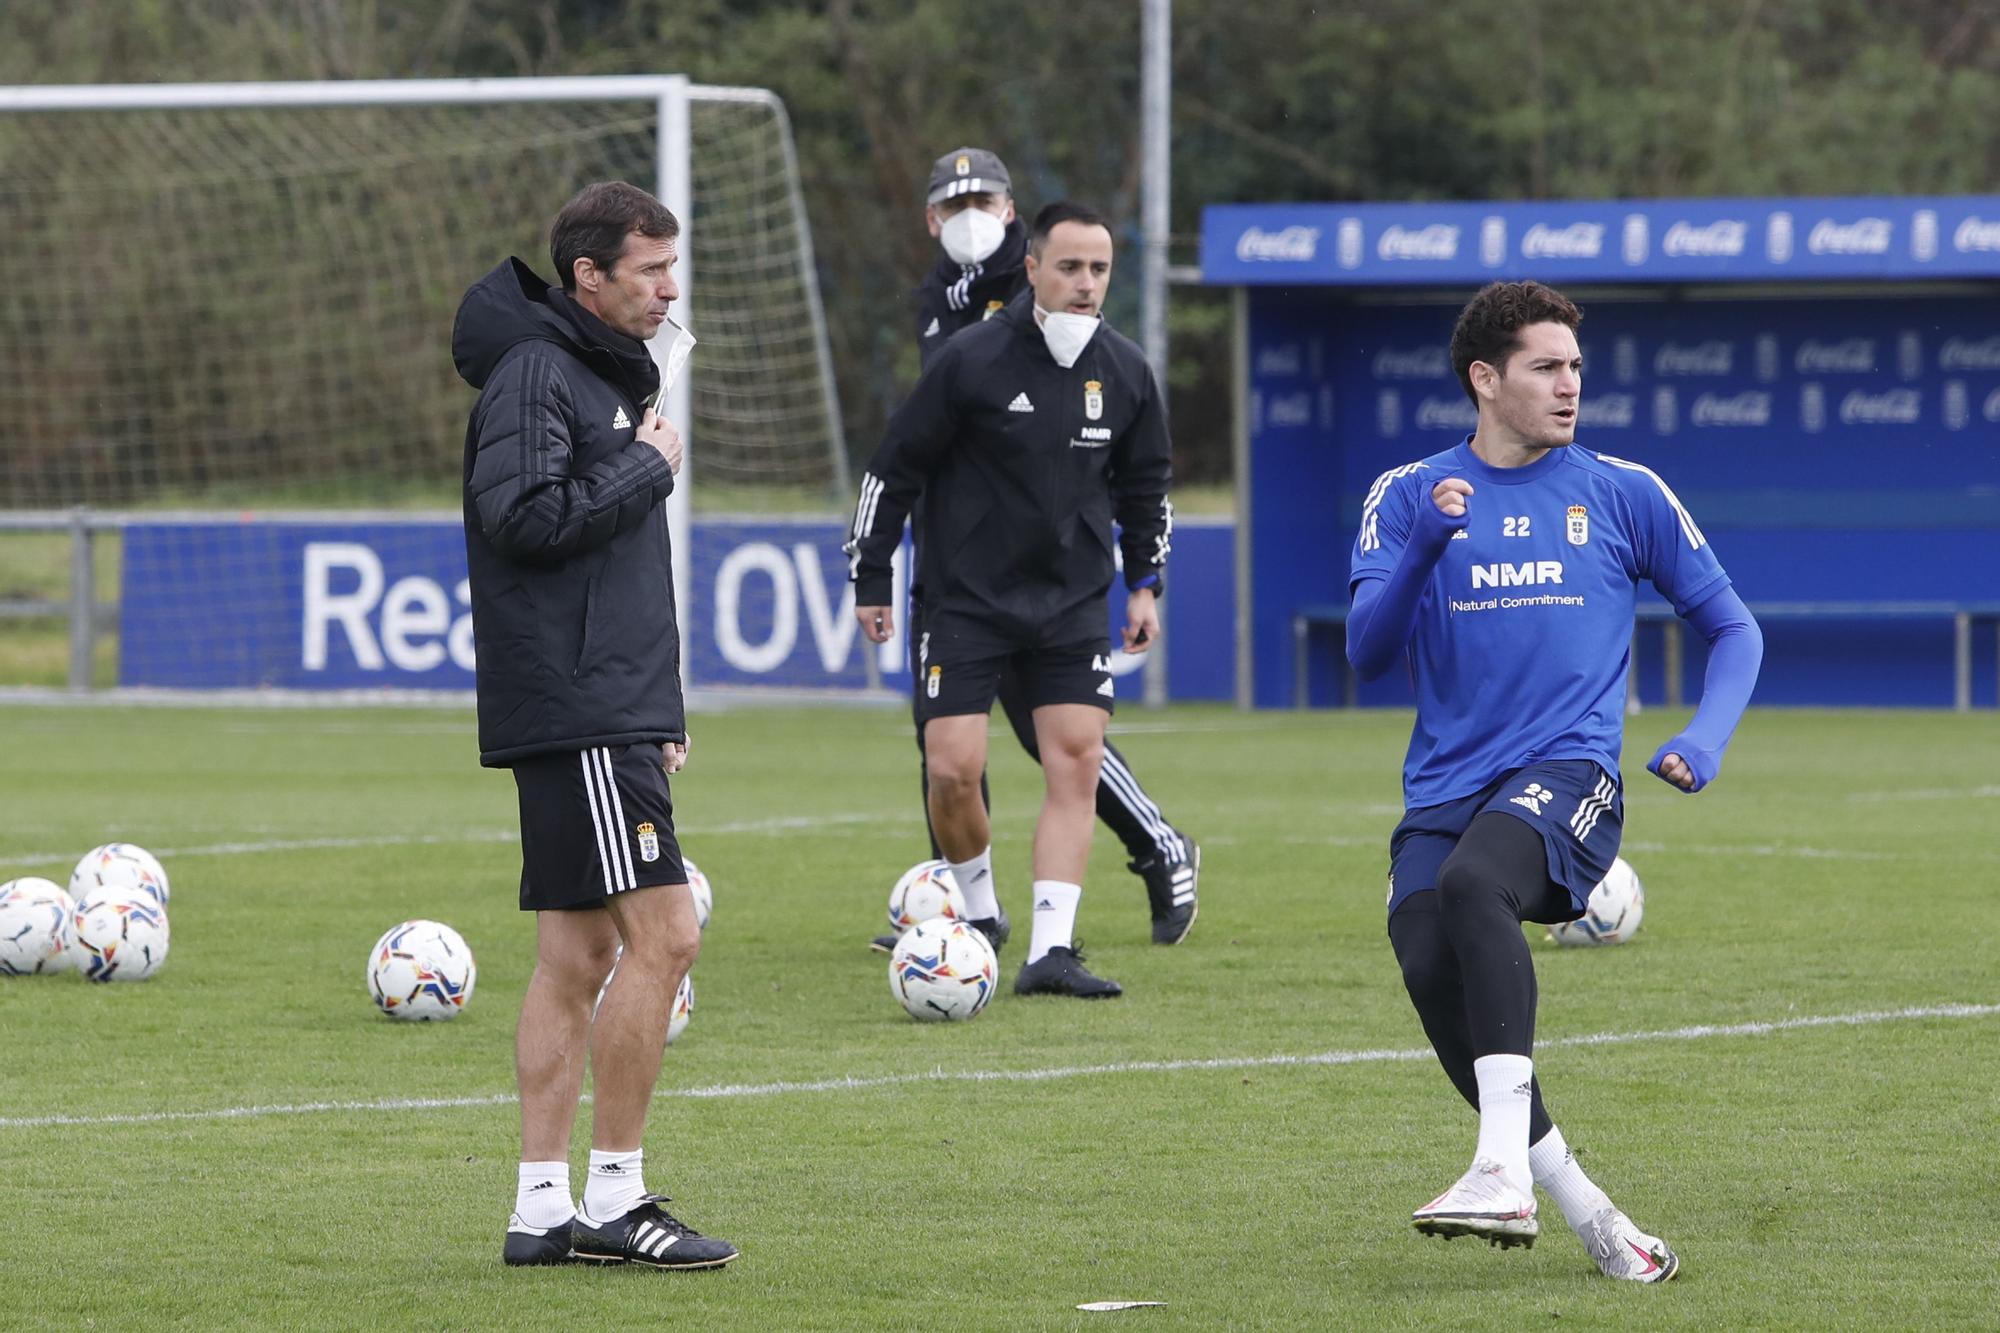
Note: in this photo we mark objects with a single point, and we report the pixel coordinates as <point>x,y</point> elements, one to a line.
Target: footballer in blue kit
<point>1504,572</point>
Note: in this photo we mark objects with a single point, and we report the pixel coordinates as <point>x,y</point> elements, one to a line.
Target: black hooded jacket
<point>1022,467</point>
<point>953,295</point>
<point>573,616</point>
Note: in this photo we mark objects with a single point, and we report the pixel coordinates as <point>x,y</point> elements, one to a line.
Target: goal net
<point>210,310</point>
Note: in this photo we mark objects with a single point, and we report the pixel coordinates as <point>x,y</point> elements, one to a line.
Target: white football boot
<point>1623,1251</point>
<point>1484,1202</point>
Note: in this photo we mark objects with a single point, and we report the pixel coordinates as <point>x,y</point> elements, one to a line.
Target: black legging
<point>1465,963</point>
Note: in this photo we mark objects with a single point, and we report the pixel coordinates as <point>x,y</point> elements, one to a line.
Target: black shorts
<point>594,823</point>
<point>960,659</point>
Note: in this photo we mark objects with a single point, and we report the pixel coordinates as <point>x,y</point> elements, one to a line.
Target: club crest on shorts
<point>1093,399</point>
<point>649,842</point>
<point>1579,525</point>
<point>932,681</point>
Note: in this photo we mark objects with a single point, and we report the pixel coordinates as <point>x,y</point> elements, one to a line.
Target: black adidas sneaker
<point>1170,892</point>
<point>534,1247</point>
<point>996,929</point>
<point>648,1234</point>
<point>1060,971</point>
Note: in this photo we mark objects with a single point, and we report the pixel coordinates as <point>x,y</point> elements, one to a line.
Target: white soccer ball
<point>703,891</point>
<point>927,889</point>
<point>123,866</point>
<point>37,927</point>
<point>1613,913</point>
<point>943,970</point>
<point>121,935</point>
<point>421,971</point>
<point>683,1009</point>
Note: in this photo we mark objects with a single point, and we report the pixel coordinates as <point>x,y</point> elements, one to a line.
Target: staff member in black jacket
<point>970,210</point>
<point>1026,437</point>
<point>566,466</point>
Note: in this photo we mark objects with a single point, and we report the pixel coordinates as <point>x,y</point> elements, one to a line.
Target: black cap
<point>968,171</point>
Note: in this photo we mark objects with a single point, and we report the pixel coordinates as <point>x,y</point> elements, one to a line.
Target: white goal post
<point>269,326</point>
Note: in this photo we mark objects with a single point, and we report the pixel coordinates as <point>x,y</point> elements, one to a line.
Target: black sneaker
<point>996,929</point>
<point>884,943</point>
<point>648,1234</point>
<point>1170,887</point>
<point>1060,971</point>
<point>532,1247</point>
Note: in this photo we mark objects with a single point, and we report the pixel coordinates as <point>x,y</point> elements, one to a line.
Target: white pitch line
<point>1695,1032</point>
<point>787,824</point>
<point>1928,794</point>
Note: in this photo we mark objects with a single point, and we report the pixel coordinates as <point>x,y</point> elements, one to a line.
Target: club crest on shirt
<point>649,842</point>
<point>1093,399</point>
<point>1579,525</point>
<point>993,308</point>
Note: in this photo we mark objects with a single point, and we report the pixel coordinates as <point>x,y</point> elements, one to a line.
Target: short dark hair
<point>595,223</point>
<point>1489,328</point>
<point>1053,215</point>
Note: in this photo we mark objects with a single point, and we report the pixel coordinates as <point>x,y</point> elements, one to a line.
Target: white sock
<point>1506,1091</point>
<point>975,881</point>
<point>1055,916</point>
<point>542,1198</point>
<point>1557,1172</point>
<point>614,1185</point>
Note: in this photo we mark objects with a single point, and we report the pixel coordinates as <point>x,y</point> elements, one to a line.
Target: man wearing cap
<point>1026,438</point>
<point>969,208</point>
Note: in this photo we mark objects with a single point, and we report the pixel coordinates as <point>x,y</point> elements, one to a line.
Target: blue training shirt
<point>1524,629</point>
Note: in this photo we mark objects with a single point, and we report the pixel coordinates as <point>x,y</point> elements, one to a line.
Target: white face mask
<point>1066,334</point>
<point>670,346</point>
<point>971,234</point>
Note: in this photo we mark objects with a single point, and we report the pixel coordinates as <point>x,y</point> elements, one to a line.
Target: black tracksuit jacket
<point>1022,467</point>
<point>953,295</point>
<point>573,618</point>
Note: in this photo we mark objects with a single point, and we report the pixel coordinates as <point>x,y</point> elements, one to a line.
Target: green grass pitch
<point>162,1164</point>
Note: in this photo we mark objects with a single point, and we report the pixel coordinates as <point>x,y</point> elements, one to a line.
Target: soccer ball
<point>683,1010</point>
<point>421,971</point>
<point>1613,913</point>
<point>704,893</point>
<point>124,866</point>
<point>943,970</point>
<point>120,935</point>
<point>927,889</point>
<point>36,927</point>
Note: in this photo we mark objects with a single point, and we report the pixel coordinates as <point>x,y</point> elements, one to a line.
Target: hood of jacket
<point>512,305</point>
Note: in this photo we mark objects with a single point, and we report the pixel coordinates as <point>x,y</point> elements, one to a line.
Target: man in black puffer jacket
<point>566,468</point>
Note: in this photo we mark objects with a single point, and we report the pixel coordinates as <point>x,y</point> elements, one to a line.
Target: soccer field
<point>1790,1074</point>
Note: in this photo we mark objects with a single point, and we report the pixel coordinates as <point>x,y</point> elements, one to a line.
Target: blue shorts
<point>1576,806</point>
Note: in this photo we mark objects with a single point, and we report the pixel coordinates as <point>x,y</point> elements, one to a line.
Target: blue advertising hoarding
<point>1607,241</point>
<point>346,605</point>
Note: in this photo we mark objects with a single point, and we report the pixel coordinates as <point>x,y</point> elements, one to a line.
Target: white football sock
<point>1557,1172</point>
<point>542,1198</point>
<point>975,881</point>
<point>614,1185</point>
<point>1506,1091</point>
<point>1055,916</point>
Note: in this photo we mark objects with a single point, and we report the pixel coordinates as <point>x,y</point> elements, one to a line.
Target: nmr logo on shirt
<point>1502,575</point>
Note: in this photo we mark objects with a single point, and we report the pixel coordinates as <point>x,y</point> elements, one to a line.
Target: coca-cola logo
<point>1850,356</point>
<point>1283,359</point>
<point>1724,237</point>
<point>1435,242</point>
<point>1976,234</point>
<point>1896,407</point>
<point>1412,363</point>
<point>1608,411</point>
<point>1965,354</point>
<point>1446,414</point>
<point>1707,358</point>
<point>1292,409</point>
<point>1579,240</point>
<point>1863,236</point>
<point>1293,245</point>
<point>1749,408</point>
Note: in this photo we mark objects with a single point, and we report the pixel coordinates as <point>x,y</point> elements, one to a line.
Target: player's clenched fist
<point>1449,496</point>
